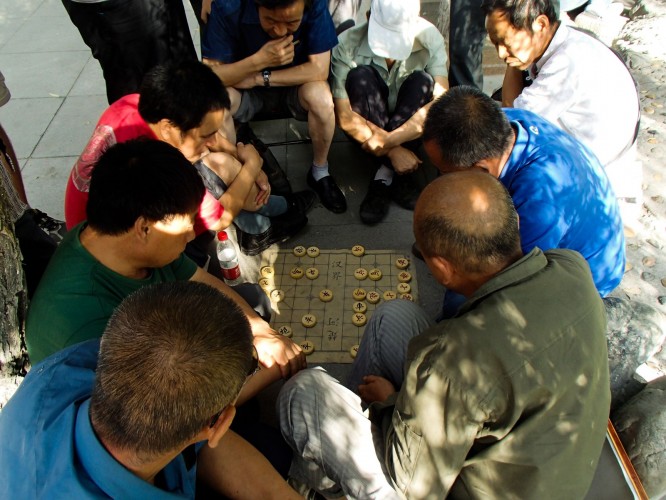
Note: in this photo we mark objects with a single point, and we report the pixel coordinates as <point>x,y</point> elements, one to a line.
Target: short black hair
<point>141,178</point>
<point>172,356</point>
<point>522,13</point>
<point>183,92</point>
<point>279,4</point>
<point>467,126</point>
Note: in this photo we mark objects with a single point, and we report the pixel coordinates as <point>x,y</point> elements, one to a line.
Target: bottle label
<point>231,274</point>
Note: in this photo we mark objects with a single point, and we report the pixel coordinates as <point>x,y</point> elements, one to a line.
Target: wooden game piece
<point>360,274</point>
<point>308,347</point>
<point>375,274</point>
<point>326,295</point>
<point>313,252</point>
<point>358,294</point>
<point>404,277</point>
<point>402,263</point>
<point>286,331</point>
<point>299,251</point>
<point>404,288</point>
<point>358,250</point>
<point>277,295</point>
<point>309,320</point>
<point>390,295</point>
<point>359,319</point>
<point>359,307</point>
<point>312,273</point>
<point>407,296</point>
<point>373,297</point>
<point>265,283</point>
<point>353,351</point>
<point>267,272</point>
<point>296,273</point>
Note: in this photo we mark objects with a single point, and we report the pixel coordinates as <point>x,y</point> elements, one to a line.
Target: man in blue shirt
<point>274,58</point>
<point>559,188</point>
<point>133,422</point>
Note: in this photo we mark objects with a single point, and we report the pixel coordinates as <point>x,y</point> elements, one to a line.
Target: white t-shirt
<point>586,90</point>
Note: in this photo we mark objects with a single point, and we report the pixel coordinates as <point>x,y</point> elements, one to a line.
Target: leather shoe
<point>329,193</point>
<point>375,205</point>
<point>405,190</point>
<point>282,228</point>
<point>276,177</point>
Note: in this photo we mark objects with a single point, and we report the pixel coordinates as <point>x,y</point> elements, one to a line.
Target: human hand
<point>375,388</point>
<point>273,348</point>
<point>378,143</point>
<point>264,189</point>
<point>250,157</point>
<point>205,9</point>
<point>276,52</point>
<point>403,160</point>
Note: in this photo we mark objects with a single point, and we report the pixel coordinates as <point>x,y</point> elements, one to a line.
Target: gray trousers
<point>337,449</point>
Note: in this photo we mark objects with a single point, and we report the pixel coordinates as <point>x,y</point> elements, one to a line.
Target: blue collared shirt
<point>234,32</point>
<point>50,450</point>
<point>563,197</point>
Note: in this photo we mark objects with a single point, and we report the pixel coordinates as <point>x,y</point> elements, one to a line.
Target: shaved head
<point>468,218</point>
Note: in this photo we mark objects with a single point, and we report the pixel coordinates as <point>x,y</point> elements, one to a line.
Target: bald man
<point>507,400</point>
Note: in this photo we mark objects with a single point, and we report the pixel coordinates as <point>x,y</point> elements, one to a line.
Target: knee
<point>420,80</point>
<point>361,77</point>
<point>235,98</point>
<point>318,99</point>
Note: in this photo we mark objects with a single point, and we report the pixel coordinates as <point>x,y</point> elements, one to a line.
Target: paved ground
<point>58,94</point>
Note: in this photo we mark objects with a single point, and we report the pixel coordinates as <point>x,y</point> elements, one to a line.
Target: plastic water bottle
<point>226,254</point>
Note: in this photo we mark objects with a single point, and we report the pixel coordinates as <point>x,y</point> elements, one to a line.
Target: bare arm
<point>237,469</point>
<point>351,122</point>
<point>272,348</point>
<point>512,86</point>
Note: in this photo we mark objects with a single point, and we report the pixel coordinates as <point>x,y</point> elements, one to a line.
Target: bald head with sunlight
<point>468,218</point>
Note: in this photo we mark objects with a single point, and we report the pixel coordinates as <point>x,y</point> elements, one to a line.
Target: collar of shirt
<point>561,34</point>
<point>114,479</point>
<point>520,146</point>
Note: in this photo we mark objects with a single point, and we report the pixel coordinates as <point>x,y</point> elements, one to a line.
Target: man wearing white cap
<point>384,75</point>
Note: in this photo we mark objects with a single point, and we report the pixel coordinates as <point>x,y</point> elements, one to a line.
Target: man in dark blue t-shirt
<point>274,58</point>
<point>560,190</point>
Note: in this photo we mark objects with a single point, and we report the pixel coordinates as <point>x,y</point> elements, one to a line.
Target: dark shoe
<point>54,228</point>
<point>300,202</point>
<point>282,228</point>
<point>276,177</point>
<point>375,205</point>
<point>329,193</point>
<point>405,191</point>
<point>416,251</point>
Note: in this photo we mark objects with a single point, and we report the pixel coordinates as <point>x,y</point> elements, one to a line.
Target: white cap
<point>392,27</point>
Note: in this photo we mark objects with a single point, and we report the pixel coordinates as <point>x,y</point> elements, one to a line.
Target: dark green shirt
<point>509,399</point>
<point>77,294</point>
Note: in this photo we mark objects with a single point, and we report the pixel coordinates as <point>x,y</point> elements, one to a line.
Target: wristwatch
<point>267,77</point>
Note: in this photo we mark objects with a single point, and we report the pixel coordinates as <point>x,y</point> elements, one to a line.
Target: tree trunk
<point>13,358</point>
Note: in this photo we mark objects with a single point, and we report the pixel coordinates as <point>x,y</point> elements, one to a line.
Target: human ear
<point>221,426</point>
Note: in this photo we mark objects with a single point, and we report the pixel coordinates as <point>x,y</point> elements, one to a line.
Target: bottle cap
<point>222,236</point>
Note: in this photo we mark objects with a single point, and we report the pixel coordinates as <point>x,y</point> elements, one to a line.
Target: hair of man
<point>141,178</point>
<point>467,126</point>
<point>171,357</point>
<point>280,4</point>
<point>182,92</point>
<point>522,14</point>
<point>468,218</point>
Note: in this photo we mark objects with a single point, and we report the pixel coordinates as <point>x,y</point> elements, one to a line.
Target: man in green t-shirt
<point>144,196</point>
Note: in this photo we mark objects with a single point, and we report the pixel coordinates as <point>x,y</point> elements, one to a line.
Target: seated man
<point>143,198</point>
<point>560,190</point>
<point>510,399</point>
<point>184,104</point>
<point>384,75</point>
<point>578,83</point>
<point>130,416</point>
<point>274,57</point>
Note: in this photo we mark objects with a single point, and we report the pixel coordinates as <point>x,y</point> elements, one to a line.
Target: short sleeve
<point>183,268</point>
<point>437,66</point>
<point>341,65</point>
<point>222,39</point>
<point>210,212</point>
<point>321,30</point>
